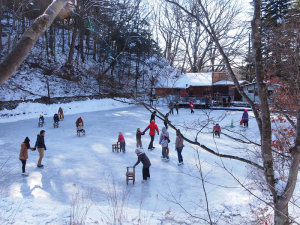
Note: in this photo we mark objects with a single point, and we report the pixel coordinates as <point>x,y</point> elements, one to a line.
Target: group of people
<point>163,141</point>
<point>244,121</point>
<point>39,144</point>
<point>172,106</point>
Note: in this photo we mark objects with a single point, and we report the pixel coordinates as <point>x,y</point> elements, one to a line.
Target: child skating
<point>139,138</point>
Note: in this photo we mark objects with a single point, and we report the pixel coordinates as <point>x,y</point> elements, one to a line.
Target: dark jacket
<point>142,157</point>
<point>79,121</point>
<point>139,135</point>
<point>56,118</point>
<point>152,117</point>
<point>40,143</point>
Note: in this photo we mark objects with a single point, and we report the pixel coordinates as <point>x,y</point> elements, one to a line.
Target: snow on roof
<point>227,82</point>
<point>224,82</point>
<point>194,79</point>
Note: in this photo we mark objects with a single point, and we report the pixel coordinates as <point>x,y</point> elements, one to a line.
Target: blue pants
<point>179,150</point>
<point>122,145</point>
<point>164,153</point>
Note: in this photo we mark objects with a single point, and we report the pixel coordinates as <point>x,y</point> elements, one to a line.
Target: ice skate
<point>25,174</point>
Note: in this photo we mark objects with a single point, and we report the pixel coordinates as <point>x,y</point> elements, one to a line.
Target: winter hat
<point>163,136</point>
<point>41,115</point>
<point>80,118</point>
<point>138,128</point>
<point>246,110</point>
<point>137,151</point>
<point>154,111</point>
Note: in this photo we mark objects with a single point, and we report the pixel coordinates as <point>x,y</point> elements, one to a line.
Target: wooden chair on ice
<point>130,175</point>
<point>55,125</point>
<point>116,147</point>
<point>79,131</point>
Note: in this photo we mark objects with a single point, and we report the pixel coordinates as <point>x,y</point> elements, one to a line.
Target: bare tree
<point>28,39</point>
<point>262,114</point>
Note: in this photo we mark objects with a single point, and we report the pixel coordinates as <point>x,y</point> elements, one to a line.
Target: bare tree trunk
<point>72,47</point>
<point>266,132</point>
<point>0,28</point>
<point>28,39</point>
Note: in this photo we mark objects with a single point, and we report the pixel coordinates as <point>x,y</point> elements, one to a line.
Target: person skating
<point>79,125</point>
<point>178,147</point>
<point>142,157</point>
<point>224,102</point>
<point>60,113</point>
<point>121,139</point>
<point>245,118</point>
<point>171,107</point>
<point>191,105</point>
<point>217,130</point>
<point>24,154</point>
<point>56,118</point>
<point>164,144</point>
<point>41,119</point>
<point>165,132</point>
<point>177,107</point>
<point>229,100</point>
<point>153,127</point>
<point>166,120</point>
<point>139,138</point>
<point>40,145</point>
<point>153,116</point>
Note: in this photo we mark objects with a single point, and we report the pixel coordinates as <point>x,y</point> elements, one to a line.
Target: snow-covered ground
<point>82,174</point>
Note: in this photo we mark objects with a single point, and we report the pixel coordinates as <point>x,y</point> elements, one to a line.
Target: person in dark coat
<point>229,100</point>
<point>152,126</point>
<point>171,107</point>
<point>176,106</point>
<point>56,118</point>
<point>224,101</point>
<point>40,145</point>
<point>142,157</point>
<point>245,118</point>
<point>153,116</point>
<point>166,120</point>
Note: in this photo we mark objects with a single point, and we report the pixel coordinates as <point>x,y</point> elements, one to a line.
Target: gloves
<point>34,149</point>
<point>45,148</point>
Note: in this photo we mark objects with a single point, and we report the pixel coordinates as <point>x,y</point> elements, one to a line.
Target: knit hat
<point>41,115</point>
<point>137,151</point>
<point>80,118</point>
<point>246,110</point>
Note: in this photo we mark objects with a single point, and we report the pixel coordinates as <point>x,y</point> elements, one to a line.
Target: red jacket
<point>121,138</point>
<point>217,128</point>
<point>152,126</point>
<point>191,105</point>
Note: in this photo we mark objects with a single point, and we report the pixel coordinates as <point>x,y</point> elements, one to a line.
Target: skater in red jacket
<point>152,126</point>
<point>191,105</point>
